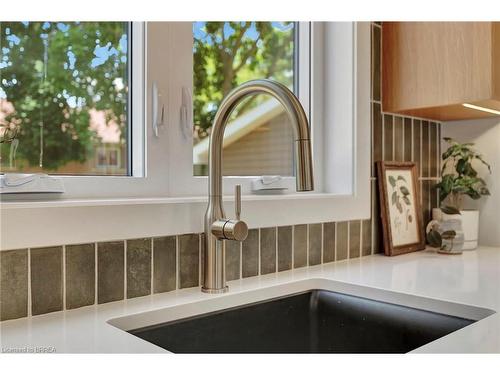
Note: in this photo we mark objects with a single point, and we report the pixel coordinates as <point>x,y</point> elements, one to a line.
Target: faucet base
<point>215,291</point>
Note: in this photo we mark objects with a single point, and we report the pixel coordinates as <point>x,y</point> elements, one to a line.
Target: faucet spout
<point>214,256</point>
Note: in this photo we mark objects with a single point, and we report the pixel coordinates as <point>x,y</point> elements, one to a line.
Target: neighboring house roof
<point>240,127</point>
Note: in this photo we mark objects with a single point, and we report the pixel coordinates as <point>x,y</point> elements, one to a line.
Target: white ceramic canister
<point>470,225</point>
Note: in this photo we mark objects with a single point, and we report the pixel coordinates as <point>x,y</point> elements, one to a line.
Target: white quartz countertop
<point>472,278</point>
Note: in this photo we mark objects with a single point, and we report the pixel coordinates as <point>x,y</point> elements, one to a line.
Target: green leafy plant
<point>443,241</point>
<point>458,176</point>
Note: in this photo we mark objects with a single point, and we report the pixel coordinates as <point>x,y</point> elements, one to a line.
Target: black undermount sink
<point>315,321</point>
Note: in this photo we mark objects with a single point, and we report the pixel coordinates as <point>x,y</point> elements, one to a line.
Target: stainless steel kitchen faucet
<point>218,229</point>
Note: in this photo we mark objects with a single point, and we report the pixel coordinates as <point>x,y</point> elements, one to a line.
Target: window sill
<point>50,223</point>
<point>100,202</point>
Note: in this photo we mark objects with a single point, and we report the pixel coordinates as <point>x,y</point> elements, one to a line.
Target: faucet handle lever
<point>237,201</point>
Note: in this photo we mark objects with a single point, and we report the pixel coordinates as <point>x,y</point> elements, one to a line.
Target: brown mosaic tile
<point>300,245</point>
<point>202,257</point>
<point>376,63</point>
<point>328,242</point>
<point>232,260</point>
<point>366,235</point>
<point>417,140</point>
<point>110,271</point>
<point>425,149</point>
<point>267,250</point>
<point>164,264</point>
<point>439,142</point>
<point>46,280</point>
<point>250,254</point>
<point>377,225</point>
<point>377,136</point>
<point>426,201</point>
<point>189,260</point>
<point>342,240</point>
<point>408,136</point>
<point>434,195</point>
<point>13,284</point>
<point>80,275</point>
<point>138,267</point>
<point>284,248</point>
<point>398,139</point>
<point>433,157</point>
<point>388,138</point>
<point>354,239</point>
<point>315,234</point>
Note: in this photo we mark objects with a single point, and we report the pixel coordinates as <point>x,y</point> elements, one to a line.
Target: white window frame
<point>112,186</point>
<point>182,180</point>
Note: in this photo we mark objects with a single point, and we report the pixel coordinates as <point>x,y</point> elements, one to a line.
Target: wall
<point>42,280</point>
<point>486,135</point>
<point>267,150</point>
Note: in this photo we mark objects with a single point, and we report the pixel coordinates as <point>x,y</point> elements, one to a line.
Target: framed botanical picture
<point>400,209</point>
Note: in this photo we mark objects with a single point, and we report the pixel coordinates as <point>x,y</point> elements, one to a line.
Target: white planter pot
<point>470,225</point>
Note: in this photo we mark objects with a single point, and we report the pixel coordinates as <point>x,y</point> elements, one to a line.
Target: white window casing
<point>181,179</point>
<point>154,205</point>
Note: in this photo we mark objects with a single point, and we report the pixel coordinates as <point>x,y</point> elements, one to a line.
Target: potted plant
<point>459,179</point>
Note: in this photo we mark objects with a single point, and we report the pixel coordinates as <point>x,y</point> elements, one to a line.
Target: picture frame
<point>400,209</point>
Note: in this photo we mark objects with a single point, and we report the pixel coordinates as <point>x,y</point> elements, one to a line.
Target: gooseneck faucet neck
<point>298,121</point>
<point>217,227</point>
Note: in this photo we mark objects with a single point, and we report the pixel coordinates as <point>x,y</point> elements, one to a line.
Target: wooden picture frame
<point>400,209</point>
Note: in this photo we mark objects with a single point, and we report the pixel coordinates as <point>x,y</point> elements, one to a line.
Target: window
<point>332,63</point>
<point>258,139</point>
<point>65,98</point>
<point>147,164</point>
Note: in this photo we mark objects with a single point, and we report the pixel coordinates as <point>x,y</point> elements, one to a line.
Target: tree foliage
<point>227,54</point>
<point>53,74</point>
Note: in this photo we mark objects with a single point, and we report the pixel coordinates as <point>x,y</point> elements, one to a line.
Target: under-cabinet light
<point>484,109</point>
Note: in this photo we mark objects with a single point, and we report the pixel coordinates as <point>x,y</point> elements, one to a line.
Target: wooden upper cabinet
<point>430,69</point>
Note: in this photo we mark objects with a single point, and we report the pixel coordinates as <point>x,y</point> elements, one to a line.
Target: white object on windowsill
<point>469,223</point>
<point>263,183</point>
<point>16,183</point>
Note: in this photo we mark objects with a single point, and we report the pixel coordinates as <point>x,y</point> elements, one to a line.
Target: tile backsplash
<point>42,280</point>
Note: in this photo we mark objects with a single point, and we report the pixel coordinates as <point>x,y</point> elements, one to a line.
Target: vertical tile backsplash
<point>285,249</point>
<point>267,250</point>
<point>138,267</point>
<point>315,241</point>
<point>46,280</point>
<point>189,260</point>
<point>366,237</point>
<point>233,252</point>
<point>110,271</point>
<point>250,254</point>
<point>328,242</point>
<point>13,284</point>
<point>354,239</point>
<point>342,236</point>
<point>300,245</point>
<point>164,264</point>
<point>38,281</point>
<point>80,275</point>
